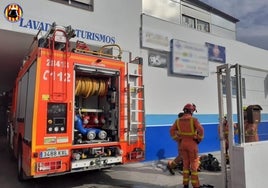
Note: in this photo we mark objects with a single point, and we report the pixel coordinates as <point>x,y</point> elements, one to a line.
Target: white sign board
<point>155,40</point>
<point>189,58</point>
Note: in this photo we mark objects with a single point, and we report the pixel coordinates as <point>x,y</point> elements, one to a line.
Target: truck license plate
<point>53,153</point>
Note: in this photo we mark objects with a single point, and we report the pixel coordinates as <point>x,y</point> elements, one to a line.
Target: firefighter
<point>189,134</point>
<point>225,129</point>
<point>251,122</point>
<point>251,132</point>
<point>172,164</point>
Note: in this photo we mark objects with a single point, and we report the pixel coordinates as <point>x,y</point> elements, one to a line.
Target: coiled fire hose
<point>88,87</point>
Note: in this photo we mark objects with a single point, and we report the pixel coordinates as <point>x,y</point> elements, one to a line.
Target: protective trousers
<point>226,139</point>
<point>189,149</point>
<point>177,160</point>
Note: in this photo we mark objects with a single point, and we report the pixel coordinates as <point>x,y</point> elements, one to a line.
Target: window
<point>202,26</point>
<point>234,87</point>
<point>83,4</point>
<point>195,23</point>
<point>188,21</point>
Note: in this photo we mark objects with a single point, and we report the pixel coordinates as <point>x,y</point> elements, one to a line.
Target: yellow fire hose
<point>88,87</point>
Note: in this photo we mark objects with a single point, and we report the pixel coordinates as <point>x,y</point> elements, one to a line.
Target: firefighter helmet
<point>189,108</point>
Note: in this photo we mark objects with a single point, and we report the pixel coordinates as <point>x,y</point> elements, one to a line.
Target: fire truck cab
<point>75,109</point>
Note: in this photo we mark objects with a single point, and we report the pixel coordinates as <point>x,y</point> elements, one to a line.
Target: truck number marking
<point>57,76</point>
<point>57,63</point>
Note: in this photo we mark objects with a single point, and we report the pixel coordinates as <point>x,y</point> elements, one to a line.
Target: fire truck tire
<point>21,175</point>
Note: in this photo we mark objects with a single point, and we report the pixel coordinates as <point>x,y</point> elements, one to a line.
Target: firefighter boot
<point>206,186</point>
<point>169,167</point>
<point>227,159</point>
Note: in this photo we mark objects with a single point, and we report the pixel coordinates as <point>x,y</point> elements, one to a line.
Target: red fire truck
<point>75,109</point>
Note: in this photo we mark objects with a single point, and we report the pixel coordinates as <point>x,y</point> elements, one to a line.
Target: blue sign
<point>216,53</point>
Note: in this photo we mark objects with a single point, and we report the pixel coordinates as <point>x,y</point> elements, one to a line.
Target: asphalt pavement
<point>153,174</point>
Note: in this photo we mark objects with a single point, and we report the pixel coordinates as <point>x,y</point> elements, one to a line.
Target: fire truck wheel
<point>21,174</point>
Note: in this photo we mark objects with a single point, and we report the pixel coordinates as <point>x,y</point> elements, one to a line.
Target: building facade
<point>181,42</point>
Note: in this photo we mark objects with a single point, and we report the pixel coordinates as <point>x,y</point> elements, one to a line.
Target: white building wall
<point>220,27</point>
<point>218,31</point>
<point>167,94</point>
<point>195,12</point>
<point>222,23</point>
<point>107,18</point>
<point>172,11</point>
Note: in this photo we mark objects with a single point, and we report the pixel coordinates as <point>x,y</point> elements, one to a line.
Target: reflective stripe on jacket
<point>192,131</point>
<point>189,126</point>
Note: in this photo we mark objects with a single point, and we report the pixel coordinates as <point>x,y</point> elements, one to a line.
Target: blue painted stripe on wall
<point>168,119</point>
<point>160,119</point>
<point>159,145</point>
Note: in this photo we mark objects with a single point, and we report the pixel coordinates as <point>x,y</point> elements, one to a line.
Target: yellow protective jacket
<point>187,127</point>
